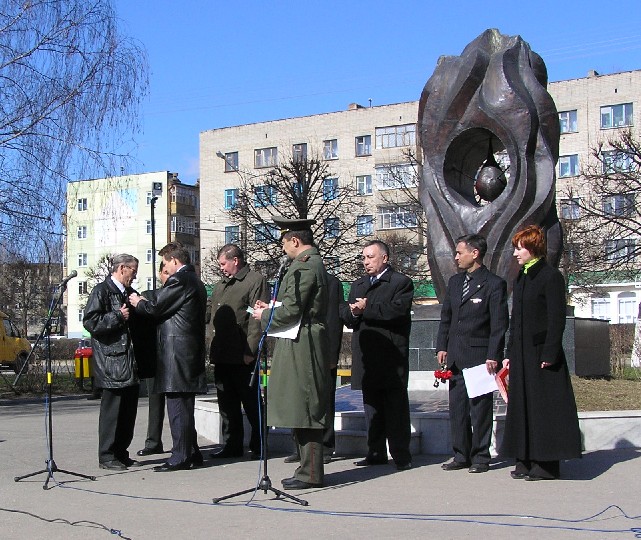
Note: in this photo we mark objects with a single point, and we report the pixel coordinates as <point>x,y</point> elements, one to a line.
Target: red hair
<point>531,238</point>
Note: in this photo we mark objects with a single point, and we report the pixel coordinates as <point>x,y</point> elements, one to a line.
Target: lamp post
<point>153,241</point>
<point>242,201</point>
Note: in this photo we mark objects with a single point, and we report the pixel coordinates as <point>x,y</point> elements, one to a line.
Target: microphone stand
<point>51,466</point>
<point>265,483</point>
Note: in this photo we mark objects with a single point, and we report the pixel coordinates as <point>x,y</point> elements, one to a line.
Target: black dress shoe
<point>454,466</point>
<point>150,451</point>
<point>226,453</point>
<point>128,462</point>
<point>370,461</point>
<point>197,460</point>
<point>168,467</point>
<point>292,458</point>
<point>404,466</point>
<point>479,468</point>
<point>327,458</point>
<point>113,465</point>
<point>299,484</point>
<point>255,456</point>
<point>536,478</point>
<point>518,475</point>
<point>289,480</point>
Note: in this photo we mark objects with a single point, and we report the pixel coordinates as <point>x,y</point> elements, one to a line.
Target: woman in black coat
<point>541,426</point>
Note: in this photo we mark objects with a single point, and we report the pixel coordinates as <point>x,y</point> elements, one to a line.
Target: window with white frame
<point>614,116</point>
<point>408,261</point>
<point>150,283</point>
<point>330,149</point>
<point>567,121</point>
<point>82,204</point>
<point>628,307</point>
<point>81,315</point>
<point>266,157</point>
<point>82,259</point>
<point>148,222</point>
<point>332,265</point>
<point>82,287</point>
<point>619,205</point>
<point>568,166</point>
<point>395,136</point>
<point>150,196</point>
<point>615,161</point>
<point>182,224</point>
<point>364,184</point>
<point>232,234</point>
<point>231,161</point>
<point>265,196</point>
<point>266,233</point>
<point>148,255</point>
<point>570,208</point>
<point>620,249</point>
<point>331,227</point>
<point>299,152</point>
<point>364,225</point>
<point>395,217</point>
<point>82,232</point>
<point>363,145</point>
<point>330,189</point>
<point>231,198</point>
<point>600,307</point>
<point>395,177</point>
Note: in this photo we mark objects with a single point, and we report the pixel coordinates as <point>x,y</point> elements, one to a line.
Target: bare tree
<point>298,187</point>
<point>71,85</point>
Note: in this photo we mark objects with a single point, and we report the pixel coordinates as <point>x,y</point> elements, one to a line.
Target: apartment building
<point>368,147</point>
<point>106,216</point>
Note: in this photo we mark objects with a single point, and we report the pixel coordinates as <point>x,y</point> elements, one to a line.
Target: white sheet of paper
<point>289,332</point>
<point>478,381</point>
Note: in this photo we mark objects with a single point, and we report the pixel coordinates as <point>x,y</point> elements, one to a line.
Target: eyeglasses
<point>133,269</point>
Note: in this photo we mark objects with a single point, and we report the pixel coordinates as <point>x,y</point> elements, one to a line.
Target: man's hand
<point>135,299</point>
<point>248,359</point>
<point>506,363</point>
<point>358,307</point>
<point>545,364</point>
<point>491,366</point>
<point>124,310</point>
<point>441,358</point>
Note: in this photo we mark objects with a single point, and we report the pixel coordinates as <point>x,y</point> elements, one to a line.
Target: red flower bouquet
<point>441,376</point>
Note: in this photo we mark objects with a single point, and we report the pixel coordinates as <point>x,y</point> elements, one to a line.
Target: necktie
<point>466,285</point>
<point>372,280</point>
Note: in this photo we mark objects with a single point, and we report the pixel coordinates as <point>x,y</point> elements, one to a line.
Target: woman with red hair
<point>541,426</point>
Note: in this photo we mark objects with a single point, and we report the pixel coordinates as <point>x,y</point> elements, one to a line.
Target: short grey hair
<point>123,258</point>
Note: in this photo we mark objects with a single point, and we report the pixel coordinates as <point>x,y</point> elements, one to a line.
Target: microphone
<point>72,275</point>
<point>284,261</point>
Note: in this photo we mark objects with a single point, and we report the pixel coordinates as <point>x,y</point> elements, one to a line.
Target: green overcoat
<point>298,387</point>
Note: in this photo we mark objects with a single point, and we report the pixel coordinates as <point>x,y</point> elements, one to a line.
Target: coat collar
<point>240,275</point>
<point>534,269</point>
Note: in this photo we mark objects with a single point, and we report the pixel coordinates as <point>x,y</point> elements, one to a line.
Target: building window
<point>567,121</point>
<point>148,255</point>
<point>395,217</point>
<point>232,234</point>
<point>408,261</point>
<point>148,223</point>
<point>394,136</point>
<point>568,166</point>
<point>364,225</point>
<point>619,250</point>
<point>570,208</point>
<point>265,157</point>
<point>82,232</point>
<point>82,287</point>
<point>182,224</point>
<point>364,145</point>
<point>82,205</point>
<point>395,177</point>
<point>150,196</point>
<point>331,227</point>
<point>231,198</point>
<point>332,265</point>
<point>614,116</point>
<point>571,252</point>
<point>265,196</point>
<point>600,307</point>
<point>364,184</point>
<point>614,161</point>
<point>81,315</point>
<point>330,149</point>
<point>628,308</point>
<point>231,161</point>
<point>330,189</point>
<point>82,259</point>
<point>150,283</point>
<point>620,205</point>
<point>299,152</point>
<point>266,233</point>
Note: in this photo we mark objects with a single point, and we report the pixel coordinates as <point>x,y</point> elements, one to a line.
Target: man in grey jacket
<point>108,319</point>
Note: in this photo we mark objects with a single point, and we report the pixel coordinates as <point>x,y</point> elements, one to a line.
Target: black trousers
<point>156,417</point>
<point>118,408</point>
<point>233,390</point>
<point>470,422</point>
<point>180,410</point>
<point>387,413</point>
<point>329,435</point>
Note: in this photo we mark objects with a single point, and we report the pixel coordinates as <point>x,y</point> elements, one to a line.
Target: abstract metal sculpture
<point>490,139</point>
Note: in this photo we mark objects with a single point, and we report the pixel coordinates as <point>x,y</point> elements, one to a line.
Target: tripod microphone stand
<point>265,483</point>
<point>51,466</point>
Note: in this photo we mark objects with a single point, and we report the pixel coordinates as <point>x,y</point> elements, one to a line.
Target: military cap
<point>288,224</point>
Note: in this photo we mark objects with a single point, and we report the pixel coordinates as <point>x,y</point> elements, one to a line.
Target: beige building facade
<point>107,216</point>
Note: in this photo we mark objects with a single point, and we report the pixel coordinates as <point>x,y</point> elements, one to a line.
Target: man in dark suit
<point>379,311</point>
<point>474,319</point>
<point>179,308</point>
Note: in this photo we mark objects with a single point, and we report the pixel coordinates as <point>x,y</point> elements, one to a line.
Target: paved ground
<point>599,497</point>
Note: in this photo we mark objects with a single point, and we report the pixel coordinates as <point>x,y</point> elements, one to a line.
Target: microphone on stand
<point>284,261</point>
<point>72,275</point>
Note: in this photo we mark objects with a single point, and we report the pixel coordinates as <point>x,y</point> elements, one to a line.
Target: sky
<point>216,64</point>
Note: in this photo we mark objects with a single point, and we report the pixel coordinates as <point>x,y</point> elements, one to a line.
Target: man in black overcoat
<point>474,319</point>
<point>379,311</point>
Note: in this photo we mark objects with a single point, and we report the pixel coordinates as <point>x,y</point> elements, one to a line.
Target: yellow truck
<point>14,349</point>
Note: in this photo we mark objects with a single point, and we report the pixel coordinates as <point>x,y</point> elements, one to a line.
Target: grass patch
<point>608,395</point>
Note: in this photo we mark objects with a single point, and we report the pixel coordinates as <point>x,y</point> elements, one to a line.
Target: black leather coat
<point>113,362</point>
<point>179,309</point>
